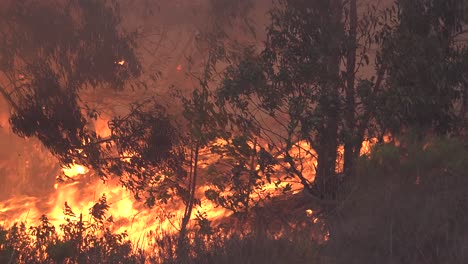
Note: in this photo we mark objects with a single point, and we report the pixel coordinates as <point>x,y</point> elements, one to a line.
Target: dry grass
<point>235,249</point>
<point>410,205</point>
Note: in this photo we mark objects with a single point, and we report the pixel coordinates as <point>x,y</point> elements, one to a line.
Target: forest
<point>234,131</point>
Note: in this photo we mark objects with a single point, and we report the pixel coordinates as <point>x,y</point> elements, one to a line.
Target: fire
<point>74,170</point>
<point>132,216</point>
<point>367,146</point>
<point>121,62</point>
<point>129,215</point>
<point>101,127</point>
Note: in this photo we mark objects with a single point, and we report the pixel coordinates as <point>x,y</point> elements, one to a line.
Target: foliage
<point>91,241</point>
<point>145,151</point>
<point>290,92</point>
<point>240,186</point>
<point>51,51</point>
<point>88,49</point>
<point>77,241</point>
<point>247,249</point>
<point>280,113</point>
<point>426,67</point>
<point>409,206</point>
<point>310,82</point>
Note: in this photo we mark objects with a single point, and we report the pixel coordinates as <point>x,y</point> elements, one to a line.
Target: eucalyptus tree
<point>426,83</point>
<point>301,83</point>
<point>50,51</point>
<point>54,50</point>
<point>334,73</point>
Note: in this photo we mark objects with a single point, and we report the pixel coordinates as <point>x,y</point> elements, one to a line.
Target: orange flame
<point>74,170</point>
<point>131,215</point>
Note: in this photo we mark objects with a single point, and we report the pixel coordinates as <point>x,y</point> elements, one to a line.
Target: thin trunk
<point>351,141</point>
<point>328,133</point>
<point>252,177</point>
<point>369,112</point>
<point>188,209</point>
<point>326,162</point>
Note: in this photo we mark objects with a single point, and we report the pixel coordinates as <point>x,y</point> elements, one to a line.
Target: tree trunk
<point>351,140</point>
<point>326,162</point>
<point>182,242</point>
<point>328,133</point>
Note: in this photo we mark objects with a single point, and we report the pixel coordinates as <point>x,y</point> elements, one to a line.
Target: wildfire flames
<point>74,170</point>
<point>82,189</point>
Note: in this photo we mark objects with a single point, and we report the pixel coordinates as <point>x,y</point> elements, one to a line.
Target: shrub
<point>409,205</point>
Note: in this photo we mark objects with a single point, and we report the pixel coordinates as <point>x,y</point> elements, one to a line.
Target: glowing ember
<point>121,62</point>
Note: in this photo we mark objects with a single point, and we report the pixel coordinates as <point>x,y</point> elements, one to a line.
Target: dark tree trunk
<point>326,162</point>
<point>328,133</point>
<point>182,243</point>
<point>351,140</point>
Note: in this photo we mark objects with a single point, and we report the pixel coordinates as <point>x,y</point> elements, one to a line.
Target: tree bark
<point>182,243</point>
<point>351,140</point>
<point>328,133</point>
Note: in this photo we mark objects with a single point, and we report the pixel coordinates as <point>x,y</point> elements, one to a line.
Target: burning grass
<point>407,205</point>
<point>91,242</point>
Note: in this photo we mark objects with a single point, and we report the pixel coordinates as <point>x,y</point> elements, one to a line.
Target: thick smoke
<point>171,45</point>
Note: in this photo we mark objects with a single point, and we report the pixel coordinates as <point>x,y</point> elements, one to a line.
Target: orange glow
<point>367,146</point>
<point>389,138</point>
<point>121,62</point>
<point>4,120</point>
<point>131,215</point>
<point>101,127</point>
<point>74,170</point>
